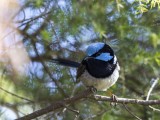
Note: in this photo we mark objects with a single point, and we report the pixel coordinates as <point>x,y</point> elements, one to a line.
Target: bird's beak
<point>88,57</point>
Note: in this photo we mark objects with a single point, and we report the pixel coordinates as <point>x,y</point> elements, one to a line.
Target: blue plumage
<point>94,48</point>
<point>99,68</point>
<point>104,57</point>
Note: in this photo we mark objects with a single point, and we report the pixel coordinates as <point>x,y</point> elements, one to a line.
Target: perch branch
<point>57,105</point>
<point>126,100</point>
<point>86,94</point>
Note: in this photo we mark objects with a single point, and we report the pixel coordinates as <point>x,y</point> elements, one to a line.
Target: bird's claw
<point>93,89</point>
<point>114,99</point>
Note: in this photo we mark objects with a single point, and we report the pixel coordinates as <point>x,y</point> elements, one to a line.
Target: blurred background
<point>34,31</point>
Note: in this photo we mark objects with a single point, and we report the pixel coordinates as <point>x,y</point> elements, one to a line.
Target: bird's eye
<point>98,54</point>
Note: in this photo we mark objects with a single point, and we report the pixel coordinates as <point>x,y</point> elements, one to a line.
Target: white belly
<point>101,84</point>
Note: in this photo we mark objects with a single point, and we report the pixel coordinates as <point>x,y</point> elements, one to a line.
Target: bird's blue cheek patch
<point>104,57</point>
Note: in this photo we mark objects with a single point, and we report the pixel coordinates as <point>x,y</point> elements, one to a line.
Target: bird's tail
<point>65,62</point>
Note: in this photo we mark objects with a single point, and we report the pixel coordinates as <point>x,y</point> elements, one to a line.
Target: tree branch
<point>86,94</point>
<point>126,100</point>
<point>57,105</point>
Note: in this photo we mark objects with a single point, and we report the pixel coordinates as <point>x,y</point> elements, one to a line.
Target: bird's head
<point>101,51</point>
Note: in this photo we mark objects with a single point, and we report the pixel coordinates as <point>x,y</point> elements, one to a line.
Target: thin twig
<point>151,88</point>
<point>16,95</point>
<point>32,38</point>
<point>154,109</point>
<point>72,110</point>
<point>131,112</point>
<point>98,114</point>
<point>149,92</point>
<point>49,73</point>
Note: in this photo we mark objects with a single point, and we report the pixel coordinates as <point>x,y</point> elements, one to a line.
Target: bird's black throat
<point>99,68</point>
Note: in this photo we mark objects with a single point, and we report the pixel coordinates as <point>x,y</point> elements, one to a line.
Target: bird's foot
<point>93,89</point>
<point>114,100</point>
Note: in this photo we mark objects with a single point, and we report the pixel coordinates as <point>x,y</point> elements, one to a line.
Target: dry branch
<point>86,94</point>
<point>127,100</point>
<point>57,105</point>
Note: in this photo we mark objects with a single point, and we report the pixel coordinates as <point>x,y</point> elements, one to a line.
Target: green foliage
<point>145,5</point>
<point>45,35</point>
<point>63,28</point>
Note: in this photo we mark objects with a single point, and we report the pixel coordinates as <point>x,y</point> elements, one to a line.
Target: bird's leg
<point>114,99</point>
<point>93,89</point>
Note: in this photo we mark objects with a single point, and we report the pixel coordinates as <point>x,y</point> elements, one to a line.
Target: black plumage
<point>98,68</point>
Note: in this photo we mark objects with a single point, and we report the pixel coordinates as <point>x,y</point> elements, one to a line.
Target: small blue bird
<point>98,69</point>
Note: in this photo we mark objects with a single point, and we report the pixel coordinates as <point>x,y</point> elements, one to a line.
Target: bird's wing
<point>80,71</point>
